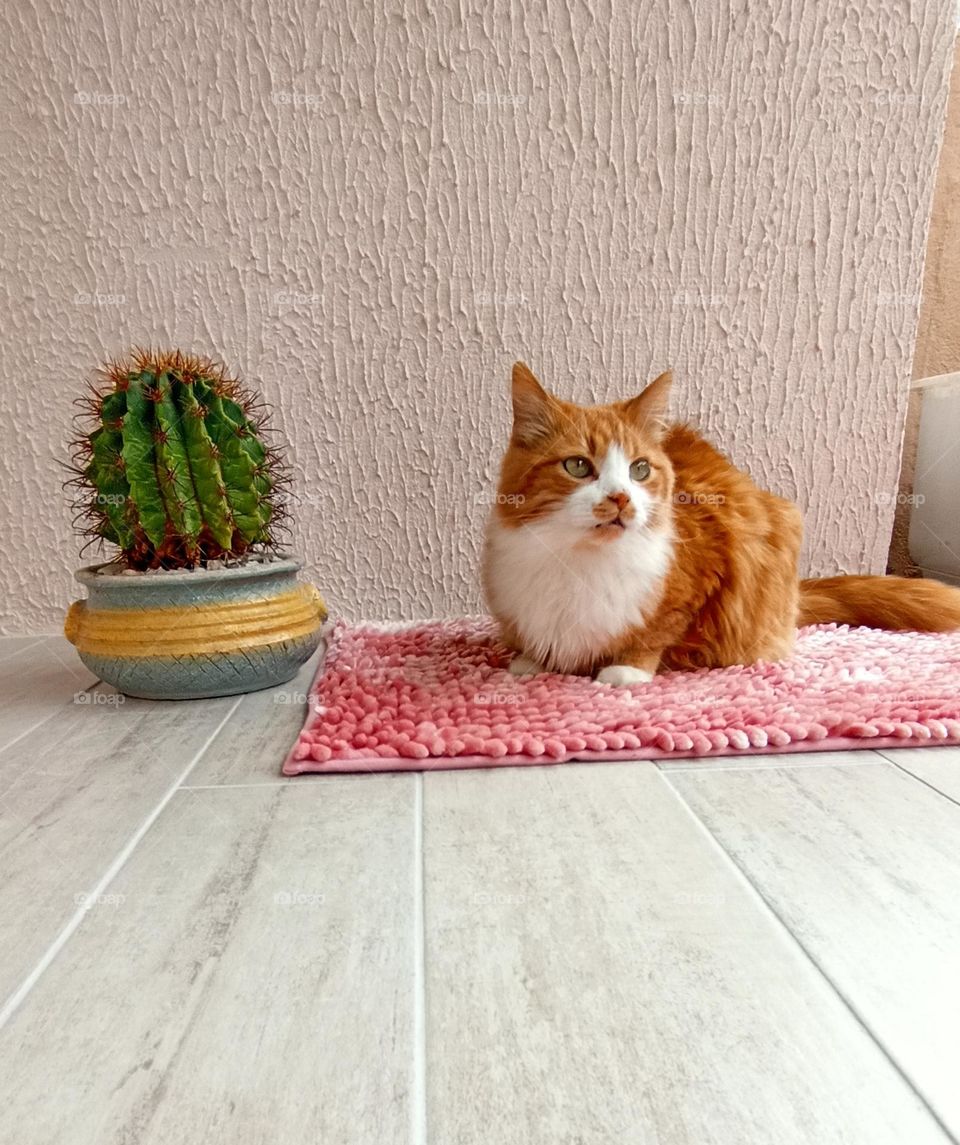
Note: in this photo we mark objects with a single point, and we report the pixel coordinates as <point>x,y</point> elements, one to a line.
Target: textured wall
<point>375,212</point>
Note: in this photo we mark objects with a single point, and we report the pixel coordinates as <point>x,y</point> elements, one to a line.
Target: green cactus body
<point>240,455</point>
<point>106,471</point>
<point>145,507</point>
<point>205,467</point>
<point>176,473</point>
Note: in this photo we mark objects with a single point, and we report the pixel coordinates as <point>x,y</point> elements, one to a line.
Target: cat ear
<point>648,410</point>
<point>532,406</point>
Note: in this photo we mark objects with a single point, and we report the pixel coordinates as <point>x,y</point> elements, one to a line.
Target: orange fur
<point>730,593</point>
<point>893,602</point>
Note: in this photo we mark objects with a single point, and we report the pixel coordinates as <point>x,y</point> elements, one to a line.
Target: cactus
<point>174,471</point>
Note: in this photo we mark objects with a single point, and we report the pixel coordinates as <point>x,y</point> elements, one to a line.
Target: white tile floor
<point>195,949</point>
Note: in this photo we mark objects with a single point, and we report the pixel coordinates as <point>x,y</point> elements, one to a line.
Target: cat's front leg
<point>630,669</point>
<point>623,675</point>
<point>521,664</point>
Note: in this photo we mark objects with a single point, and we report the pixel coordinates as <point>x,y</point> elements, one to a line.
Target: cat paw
<point>524,666</point>
<point>623,675</point>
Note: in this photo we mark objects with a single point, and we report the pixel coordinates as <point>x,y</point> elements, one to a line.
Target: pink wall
<point>374,213</point>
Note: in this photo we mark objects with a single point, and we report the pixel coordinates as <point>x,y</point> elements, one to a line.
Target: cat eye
<point>640,470</point>
<point>578,467</point>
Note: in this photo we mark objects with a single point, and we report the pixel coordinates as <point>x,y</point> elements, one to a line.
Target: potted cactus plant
<point>172,467</point>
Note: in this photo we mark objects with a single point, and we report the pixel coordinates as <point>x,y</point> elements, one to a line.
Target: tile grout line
<point>418,1099</point>
<point>919,779</point>
<point>666,766</point>
<point>303,782</point>
<point>14,1001</point>
<point>809,958</point>
<point>47,718</point>
<point>20,651</point>
<point>236,786</point>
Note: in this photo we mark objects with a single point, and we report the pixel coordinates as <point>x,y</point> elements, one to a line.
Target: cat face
<point>591,476</point>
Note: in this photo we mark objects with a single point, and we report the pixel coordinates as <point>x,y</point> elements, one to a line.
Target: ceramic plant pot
<point>206,632</point>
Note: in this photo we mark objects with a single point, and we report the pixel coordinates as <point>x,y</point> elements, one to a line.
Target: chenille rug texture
<point>438,695</point>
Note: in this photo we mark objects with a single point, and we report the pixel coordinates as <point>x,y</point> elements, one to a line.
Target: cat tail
<point>893,602</point>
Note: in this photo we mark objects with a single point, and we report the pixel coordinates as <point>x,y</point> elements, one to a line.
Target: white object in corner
<point>935,519</point>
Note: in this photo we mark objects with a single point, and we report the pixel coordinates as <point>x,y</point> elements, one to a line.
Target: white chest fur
<point>568,603</point>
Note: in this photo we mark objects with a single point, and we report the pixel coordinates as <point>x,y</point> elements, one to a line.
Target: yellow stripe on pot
<point>199,629</point>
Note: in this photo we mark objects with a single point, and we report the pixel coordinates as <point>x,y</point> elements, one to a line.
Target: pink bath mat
<point>438,695</point>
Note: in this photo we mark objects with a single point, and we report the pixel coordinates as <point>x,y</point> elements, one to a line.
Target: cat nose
<point>621,500</point>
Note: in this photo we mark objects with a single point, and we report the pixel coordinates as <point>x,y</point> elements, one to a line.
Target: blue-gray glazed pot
<point>190,634</point>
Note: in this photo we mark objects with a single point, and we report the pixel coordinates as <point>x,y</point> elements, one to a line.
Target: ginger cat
<point>622,544</point>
